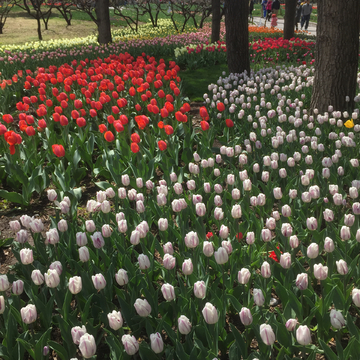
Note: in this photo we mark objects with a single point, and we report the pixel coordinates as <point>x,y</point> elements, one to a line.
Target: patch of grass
<point>195,82</point>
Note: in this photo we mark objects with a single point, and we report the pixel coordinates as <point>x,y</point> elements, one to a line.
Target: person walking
<point>268,9</point>
<point>263,4</point>
<point>275,7</point>
<point>306,10</point>
<point>298,14</point>
<point>251,8</point>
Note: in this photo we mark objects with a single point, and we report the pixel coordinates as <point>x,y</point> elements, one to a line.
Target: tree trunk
<point>237,35</point>
<point>289,18</point>
<point>39,28</point>
<point>337,53</point>
<point>215,21</point>
<point>103,18</point>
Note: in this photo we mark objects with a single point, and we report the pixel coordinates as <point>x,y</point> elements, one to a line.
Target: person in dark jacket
<point>297,14</point>
<point>251,8</point>
<point>275,7</point>
<point>306,10</point>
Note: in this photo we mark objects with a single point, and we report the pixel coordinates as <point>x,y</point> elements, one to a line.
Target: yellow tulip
<point>349,124</point>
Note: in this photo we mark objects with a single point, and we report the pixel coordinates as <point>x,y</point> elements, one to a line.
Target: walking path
<point>311,29</point>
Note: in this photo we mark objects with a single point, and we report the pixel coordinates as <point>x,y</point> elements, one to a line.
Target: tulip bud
<point>286,229</point>
<point>106,230</point>
<point>26,256</point>
<point>52,195</point>
<point>87,346</point>
<point>98,240</point>
<point>244,276</point>
<point>200,289</point>
<point>191,240</point>
<point>245,316</point>
<point>28,314</point>
<point>25,221</point>
<point>227,246</point>
<point>98,281</point>
<point>168,248</point>
<point>162,224</point>
<point>81,239</point>
<point>313,251</point>
<point>157,344</point>
<point>235,194</point>
<point>130,344</point>
<point>37,277</point>
<point>302,281</point>
<point>2,304</point>
<point>320,271</point>
<point>121,277</point>
<point>221,256</point>
<point>84,254</point>
<point>75,284</point>
<point>208,248</point>
<point>62,225</point>
<point>285,260</point>
<point>311,223</point>
<point>90,226</point>
<point>337,319</point>
<point>266,235</point>
<point>265,270</point>
<point>250,238</point>
<point>292,193</point>
<point>277,193</point>
<point>168,292</point>
<point>294,241</point>
<point>303,335</point>
<point>267,334</point>
<point>52,278</point>
<point>22,236</point>
<point>144,262</point>
<point>291,324</point>
<point>187,267</point>
<point>184,325</point>
<point>18,287</point>
<point>345,233</point>
<point>329,245</point>
<point>77,332</point>
<point>115,320</point>
<point>210,314</point>
<point>169,262</point>
<point>258,297</point>
<point>270,223</point>
<point>207,188</point>
<point>356,297</point>
<point>142,307</point>
<point>36,226</point>
<point>342,267</point>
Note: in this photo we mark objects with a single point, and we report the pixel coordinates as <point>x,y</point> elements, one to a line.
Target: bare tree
<point>39,11</point>
<point>190,10</point>
<point>99,13</point>
<point>337,53</point>
<point>64,8</point>
<point>5,8</point>
<point>216,20</point>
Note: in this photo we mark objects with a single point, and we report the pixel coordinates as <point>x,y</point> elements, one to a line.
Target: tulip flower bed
<point>262,51</point>
<point>108,114</point>
<point>249,250</point>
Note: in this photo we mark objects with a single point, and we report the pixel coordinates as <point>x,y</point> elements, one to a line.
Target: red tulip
<point>118,126</point>
<point>204,125</point>
<point>109,136</point>
<point>168,129</point>
<point>134,147</point>
<point>229,123</point>
<point>204,113</point>
<point>80,122</point>
<point>220,106</point>
<point>162,145</point>
<point>102,128</point>
<point>58,150</point>
<point>42,123</point>
<point>30,131</point>
<point>135,138</point>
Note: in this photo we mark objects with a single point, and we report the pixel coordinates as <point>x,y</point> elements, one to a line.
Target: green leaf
<point>180,352</point>
<point>353,330</point>
<point>103,185</point>
<point>60,350</point>
<point>13,197</point>
<point>330,355</point>
<point>39,346</point>
<point>85,312</point>
<point>236,304</point>
<point>241,346</point>
<point>28,347</point>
